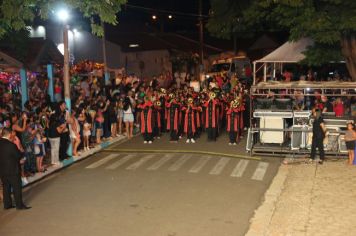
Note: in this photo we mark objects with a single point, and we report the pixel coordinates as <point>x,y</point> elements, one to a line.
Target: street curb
<point>53,169</point>
<point>259,223</point>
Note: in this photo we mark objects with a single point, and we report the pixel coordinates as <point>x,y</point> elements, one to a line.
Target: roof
<point>7,62</point>
<point>289,52</point>
<point>42,52</point>
<point>39,52</point>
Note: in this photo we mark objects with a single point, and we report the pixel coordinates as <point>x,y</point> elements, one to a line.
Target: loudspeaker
<point>296,139</point>
<point>251,139</point>
<point>342,144</point>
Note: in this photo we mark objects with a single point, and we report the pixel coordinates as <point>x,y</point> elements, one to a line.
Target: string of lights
<point>170,13</point>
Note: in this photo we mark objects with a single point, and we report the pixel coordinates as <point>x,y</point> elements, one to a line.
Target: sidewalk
<point>65,163</point>
<point>309,200</point>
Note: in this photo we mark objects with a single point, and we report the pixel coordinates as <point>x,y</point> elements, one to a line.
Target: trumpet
<point>212,95</point>
<point>235,103</point>
<point>190,100</point>
<point>158,103</point>
<point>171,95</point>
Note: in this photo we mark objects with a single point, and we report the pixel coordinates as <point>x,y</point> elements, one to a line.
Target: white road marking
<point>219,166</point>
<point>260,171</point>
<point>240,168</point>
<point>161,162</point>
<point>140,162</point>
<point>179,163</point>
<point>102,161</point>
<point>120,162</point>
<point>200,164</point>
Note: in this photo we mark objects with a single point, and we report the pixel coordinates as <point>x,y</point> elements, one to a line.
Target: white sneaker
<point>149,142</point>
<point>24,180</point>
<point>158,137</point>
<point>230,144</point>
<point>144,142</point>
<point>180,137</point>
<point>192,140</point>
<point>234,144</point>
<point>188,141</point>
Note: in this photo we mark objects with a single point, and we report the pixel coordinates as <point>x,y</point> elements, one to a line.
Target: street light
<point>154,17</point>
<point>170,16</point>
<point>63,15</point>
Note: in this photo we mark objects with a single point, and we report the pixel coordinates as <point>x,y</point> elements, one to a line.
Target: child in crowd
<point>39,149</point>
<point>99,122</point>
<point>350,139</point>
<point>86,134</point>
<point>120,115</point>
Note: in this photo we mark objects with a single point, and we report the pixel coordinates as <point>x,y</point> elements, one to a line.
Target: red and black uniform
<point>172,117</point>
<point>157,121</point>
<point>233,123</point>
<point>163,112</point>
<point>189,121</point>
<point>211,118</point>
<point>198,123</point>
<point>147,121</point>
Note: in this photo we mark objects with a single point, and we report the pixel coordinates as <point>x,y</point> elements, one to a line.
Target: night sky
<point>179,22</point>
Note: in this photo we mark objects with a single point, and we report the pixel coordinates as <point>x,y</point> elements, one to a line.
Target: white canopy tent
<point>289,52</point>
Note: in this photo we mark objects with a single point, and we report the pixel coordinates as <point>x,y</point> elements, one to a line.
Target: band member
<point>211,117</point>
<point>163,98</point>
<point>197,111</point>
<point>232,117</point>
<point>189,121</point>
<point>157,119</point>
<point>172,117</point>
<point>147,120</point>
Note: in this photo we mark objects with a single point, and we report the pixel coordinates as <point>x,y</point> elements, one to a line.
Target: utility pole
<point>66,76</point>
<point>106,73</point>
<point>201,35</point>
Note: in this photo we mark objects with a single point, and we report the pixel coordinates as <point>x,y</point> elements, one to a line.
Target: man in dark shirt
<point>318,136</point>
<point>10,171</point>
<point>327,106</point>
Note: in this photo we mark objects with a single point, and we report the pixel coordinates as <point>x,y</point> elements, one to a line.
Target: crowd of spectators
<point>45,128</point>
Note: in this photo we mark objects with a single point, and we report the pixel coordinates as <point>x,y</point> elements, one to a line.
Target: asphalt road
<point>147,194</point>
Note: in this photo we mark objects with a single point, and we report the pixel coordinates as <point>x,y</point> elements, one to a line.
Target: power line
<point>153,10</point>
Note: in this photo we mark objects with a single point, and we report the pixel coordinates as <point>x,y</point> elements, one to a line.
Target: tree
<point>17,14</point>
<point>226,18</point>
<point>330,23</point>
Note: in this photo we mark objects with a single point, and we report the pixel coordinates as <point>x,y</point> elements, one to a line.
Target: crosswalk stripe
<point>102,161</point>
<point>120,162</point>
<point>179,163</point>
<point>140,162</point>
<point>219,166</point>
<point>260,171</point>
<point>240,168</point>
<point>200,164</point>
<point>161,162</point>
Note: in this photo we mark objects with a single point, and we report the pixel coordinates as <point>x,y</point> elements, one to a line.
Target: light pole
<point>106,72</point>
<point>63,16</point>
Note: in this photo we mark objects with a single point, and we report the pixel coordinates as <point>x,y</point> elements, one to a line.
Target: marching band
<point>189,113</point>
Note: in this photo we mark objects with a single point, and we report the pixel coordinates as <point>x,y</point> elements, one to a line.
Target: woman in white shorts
<point>128,117</point>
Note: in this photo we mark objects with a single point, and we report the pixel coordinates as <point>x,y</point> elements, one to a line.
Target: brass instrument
<point>171,95</point>
<point>158,103</point>
<point>235,103</point>
<point>190,101</point>
<point>212,95</point>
